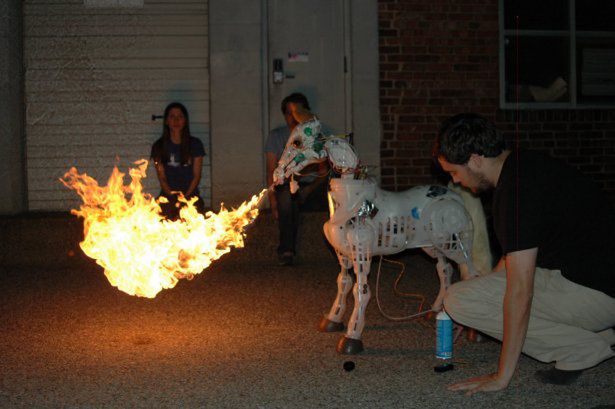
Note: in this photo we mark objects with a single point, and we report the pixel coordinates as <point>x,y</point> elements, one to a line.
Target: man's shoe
<point>555,376</point>
<point>286,259</point>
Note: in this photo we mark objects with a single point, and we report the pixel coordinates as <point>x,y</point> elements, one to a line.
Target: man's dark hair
<point>297,98</point>
<point>464,134</point>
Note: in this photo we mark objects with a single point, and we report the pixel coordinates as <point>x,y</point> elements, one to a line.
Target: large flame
<point>141,252</point>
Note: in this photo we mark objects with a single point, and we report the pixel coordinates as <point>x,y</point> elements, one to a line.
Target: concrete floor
<point>240,335</point>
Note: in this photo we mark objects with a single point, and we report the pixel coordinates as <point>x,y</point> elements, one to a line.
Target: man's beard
<point>482,185</point>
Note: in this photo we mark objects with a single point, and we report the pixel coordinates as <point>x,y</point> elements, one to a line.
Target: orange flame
<point>141,252</point>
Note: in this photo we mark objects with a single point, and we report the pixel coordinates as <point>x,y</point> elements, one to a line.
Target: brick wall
<point>439,58</point>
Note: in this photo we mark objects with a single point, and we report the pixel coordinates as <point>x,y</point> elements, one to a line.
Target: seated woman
<point>178,158</point>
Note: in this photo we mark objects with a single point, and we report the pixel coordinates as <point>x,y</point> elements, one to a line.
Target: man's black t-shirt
<point>542,202</point>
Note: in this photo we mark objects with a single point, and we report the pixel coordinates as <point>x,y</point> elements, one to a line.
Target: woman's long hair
<point>161,150</point>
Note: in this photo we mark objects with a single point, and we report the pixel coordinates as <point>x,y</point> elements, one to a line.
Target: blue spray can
<point>444,336</point>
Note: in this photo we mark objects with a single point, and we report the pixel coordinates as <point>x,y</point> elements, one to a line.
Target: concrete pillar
<point>236,100</point>
<point>365,82</point>
<point>12,138</point>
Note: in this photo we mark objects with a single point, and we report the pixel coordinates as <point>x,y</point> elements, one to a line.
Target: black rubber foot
<point>326,325</point>
<point>349,346</point>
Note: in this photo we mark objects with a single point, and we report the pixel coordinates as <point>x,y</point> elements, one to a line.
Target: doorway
<point>307,45</point>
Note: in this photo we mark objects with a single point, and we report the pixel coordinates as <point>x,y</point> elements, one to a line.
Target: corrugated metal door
<point>95,77</point>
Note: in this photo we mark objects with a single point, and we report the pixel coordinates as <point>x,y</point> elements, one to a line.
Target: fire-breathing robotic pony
<point>367,221</point>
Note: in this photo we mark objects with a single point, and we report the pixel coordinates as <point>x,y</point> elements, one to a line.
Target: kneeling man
<point>551,296</point>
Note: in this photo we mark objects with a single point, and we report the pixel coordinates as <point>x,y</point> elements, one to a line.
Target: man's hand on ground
<point>486,383</point>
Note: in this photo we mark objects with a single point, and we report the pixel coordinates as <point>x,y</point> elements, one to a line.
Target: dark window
<point>557,53</point>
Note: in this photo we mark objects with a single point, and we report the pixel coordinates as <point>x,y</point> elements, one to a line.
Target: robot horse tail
<point>481,249</point>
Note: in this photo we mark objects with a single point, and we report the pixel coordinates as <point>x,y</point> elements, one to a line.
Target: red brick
<point>446,52</point>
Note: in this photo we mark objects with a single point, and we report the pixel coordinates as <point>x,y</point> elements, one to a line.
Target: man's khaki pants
<point>569,324</point>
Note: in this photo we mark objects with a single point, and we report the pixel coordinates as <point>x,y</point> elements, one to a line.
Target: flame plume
<point>141,252</point>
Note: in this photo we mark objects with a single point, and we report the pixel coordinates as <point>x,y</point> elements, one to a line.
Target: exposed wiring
<point>419,297</point>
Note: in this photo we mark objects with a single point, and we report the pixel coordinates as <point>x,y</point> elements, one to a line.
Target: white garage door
<point>94,78</point>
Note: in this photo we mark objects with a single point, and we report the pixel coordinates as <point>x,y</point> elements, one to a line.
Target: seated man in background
<point>285,205</point>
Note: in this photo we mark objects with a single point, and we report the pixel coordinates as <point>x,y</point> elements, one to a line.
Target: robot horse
<point>367,221</point>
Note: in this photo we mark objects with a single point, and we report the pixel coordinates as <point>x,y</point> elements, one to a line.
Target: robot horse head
<point>307,145</point>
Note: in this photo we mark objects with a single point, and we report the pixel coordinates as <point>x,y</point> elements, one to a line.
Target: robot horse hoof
<point>326,325</point>
<point>349,346</point>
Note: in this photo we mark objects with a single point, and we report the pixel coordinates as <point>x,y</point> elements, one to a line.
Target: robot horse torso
<point>424,216</point>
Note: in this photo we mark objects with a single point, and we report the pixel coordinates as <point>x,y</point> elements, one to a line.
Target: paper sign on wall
<point>298,56</point>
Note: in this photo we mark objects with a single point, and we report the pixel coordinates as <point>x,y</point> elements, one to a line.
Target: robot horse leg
<point>445,273</point>
<point>332,322</point>
<point>361,241</point>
